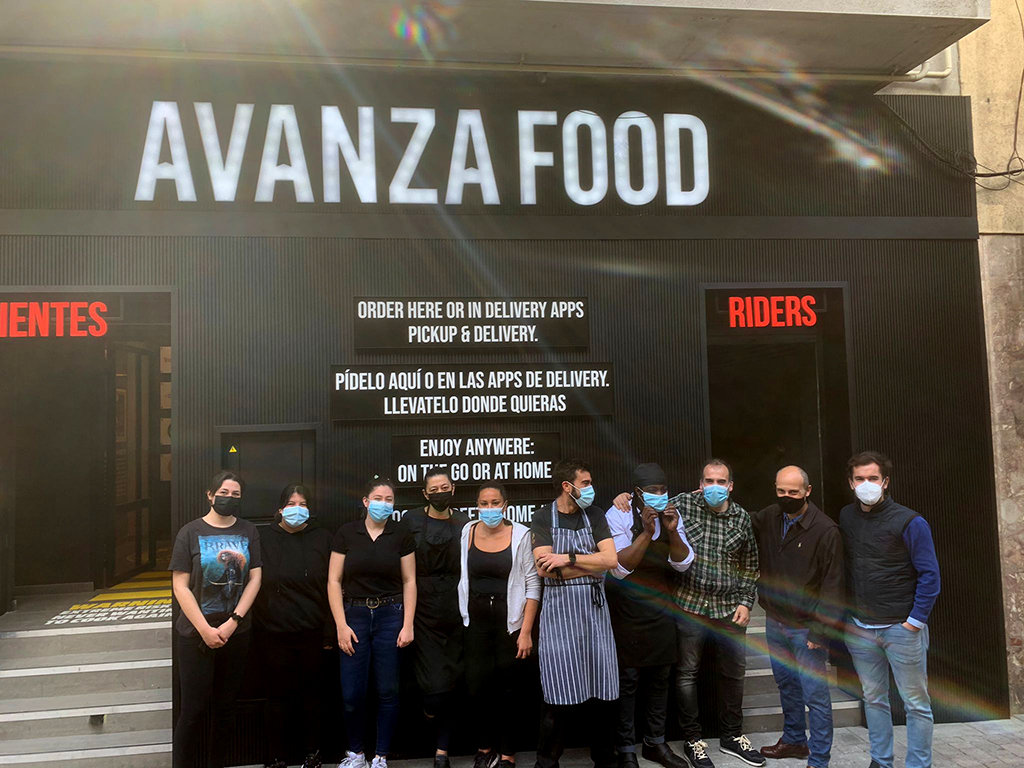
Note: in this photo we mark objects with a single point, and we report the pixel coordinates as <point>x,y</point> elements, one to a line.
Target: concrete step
<point>85,714</point>
<point>759,678</point>
<point>105,672</point>
<point>136,749</point>
<point>58,641</point>
<point>763,712</point>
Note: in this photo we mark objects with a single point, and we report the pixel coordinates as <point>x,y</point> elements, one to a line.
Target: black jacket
<point>293,595</point>
<point>802,577</point>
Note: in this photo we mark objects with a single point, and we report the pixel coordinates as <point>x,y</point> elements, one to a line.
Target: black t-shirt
<point>373,568</point>
<point>219,561</point>
<point>293,594</point>
<point>541,526</point>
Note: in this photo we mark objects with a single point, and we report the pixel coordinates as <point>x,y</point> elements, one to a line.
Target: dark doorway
<point>778,388</point>
<point>83,403</point>
<point>764,413</point>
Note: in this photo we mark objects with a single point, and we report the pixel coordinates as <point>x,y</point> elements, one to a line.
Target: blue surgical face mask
<point>491,516</point>
<point>714,495</point>
<point>586,496</point>
<point>295,516</point>
<point>656,501</point>
<point>379,511</point>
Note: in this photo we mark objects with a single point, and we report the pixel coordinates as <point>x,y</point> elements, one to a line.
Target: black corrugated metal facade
<point>260,320</point>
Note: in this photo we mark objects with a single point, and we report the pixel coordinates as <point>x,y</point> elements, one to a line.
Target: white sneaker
<point>379,762</point>
<point>353,760</point>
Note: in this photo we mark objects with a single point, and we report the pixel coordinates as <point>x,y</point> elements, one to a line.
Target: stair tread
<point>91,741</point>
<point>759,700</point>
<point>86,700</point>
<point>760,661</point>
<point>85,659</point>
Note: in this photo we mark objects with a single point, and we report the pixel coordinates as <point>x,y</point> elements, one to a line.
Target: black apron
<point>641,606</point>
<point>438,642</point>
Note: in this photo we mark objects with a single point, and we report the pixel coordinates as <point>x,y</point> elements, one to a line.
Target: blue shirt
<point>788,523</point>
<point>918,539</point>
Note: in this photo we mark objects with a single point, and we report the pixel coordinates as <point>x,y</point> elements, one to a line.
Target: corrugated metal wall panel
<point>261,320</point>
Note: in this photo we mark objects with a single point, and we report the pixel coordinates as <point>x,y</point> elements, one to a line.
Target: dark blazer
<point>802,577</point>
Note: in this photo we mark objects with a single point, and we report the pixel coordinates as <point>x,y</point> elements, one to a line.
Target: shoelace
<point>744,743</point>
<point>699,749</point>
<point>351,760</point>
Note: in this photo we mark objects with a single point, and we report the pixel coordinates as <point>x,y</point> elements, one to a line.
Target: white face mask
<point>869,494</point>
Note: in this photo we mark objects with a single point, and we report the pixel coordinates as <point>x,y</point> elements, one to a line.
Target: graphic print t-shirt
<point>219,561</point>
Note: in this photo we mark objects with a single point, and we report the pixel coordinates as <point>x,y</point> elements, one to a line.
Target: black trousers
<point>210,680</point>
<point>655,705</point>
<point>493,674</point>
<point>729,639</point>
<point>600,720</point>
<point>292,664</point>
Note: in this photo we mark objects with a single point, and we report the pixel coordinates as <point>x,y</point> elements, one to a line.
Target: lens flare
<point>429,26</point>
<point>958,701</point>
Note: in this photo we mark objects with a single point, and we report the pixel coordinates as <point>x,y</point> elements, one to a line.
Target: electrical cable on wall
<point>964,162</point>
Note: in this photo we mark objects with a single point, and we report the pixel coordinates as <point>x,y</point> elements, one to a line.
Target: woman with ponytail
<point>372,591</point>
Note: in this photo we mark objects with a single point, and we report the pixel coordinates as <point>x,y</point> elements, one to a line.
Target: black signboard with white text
<point>509,458</point>
<point>471,391</point>
<point>395,323</point>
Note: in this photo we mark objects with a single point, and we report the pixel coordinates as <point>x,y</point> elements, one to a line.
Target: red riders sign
<point>772,311</point>
<point>25,319</point>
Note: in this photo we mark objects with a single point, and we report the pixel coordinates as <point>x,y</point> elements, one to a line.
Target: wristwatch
<point>236,617</point>
<point>572,558</point>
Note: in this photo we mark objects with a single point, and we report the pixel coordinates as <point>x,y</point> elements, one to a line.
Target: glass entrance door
<point>128,463</point>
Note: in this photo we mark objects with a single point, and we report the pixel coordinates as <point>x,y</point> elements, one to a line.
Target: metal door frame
<point>109,548</point>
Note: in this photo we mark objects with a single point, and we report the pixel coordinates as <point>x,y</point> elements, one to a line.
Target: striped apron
<point>576,647</point>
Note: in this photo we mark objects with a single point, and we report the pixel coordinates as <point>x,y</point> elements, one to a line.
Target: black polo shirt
<point>372,568</point>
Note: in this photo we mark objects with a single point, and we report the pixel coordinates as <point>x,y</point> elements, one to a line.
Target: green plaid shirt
<point>724,571</point>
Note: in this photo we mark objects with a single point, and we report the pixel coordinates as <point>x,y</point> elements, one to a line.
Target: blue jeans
<point>803,680</point>
<point>377,631</point>
<point>874,651</point>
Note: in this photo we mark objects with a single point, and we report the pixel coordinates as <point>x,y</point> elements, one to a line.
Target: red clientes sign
<point>772,311</point>
<point>30,319</point>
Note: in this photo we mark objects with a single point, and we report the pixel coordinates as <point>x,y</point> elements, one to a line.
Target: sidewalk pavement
<point>990,744</point>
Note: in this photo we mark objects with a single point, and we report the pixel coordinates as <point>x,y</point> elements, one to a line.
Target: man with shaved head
<point>801,558</point>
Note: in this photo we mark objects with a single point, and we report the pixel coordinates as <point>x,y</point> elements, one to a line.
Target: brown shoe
<point>782,750</point>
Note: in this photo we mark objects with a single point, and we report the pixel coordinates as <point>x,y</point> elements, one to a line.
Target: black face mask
<point>441,500</point>
<point>790,505</point>
<point>226,505</point>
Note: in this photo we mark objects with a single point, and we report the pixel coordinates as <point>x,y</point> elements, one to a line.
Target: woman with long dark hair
<point>216,573</point>
<point>293,622</point>
<point>372,591</point>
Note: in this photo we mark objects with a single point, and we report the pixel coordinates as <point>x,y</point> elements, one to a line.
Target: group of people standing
<point>627,600</point>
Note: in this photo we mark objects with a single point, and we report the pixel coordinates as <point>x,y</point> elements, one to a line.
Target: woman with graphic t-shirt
<point>217,570</point>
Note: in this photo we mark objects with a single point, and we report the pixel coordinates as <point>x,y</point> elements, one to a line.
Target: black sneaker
<point>442,761</point>
<point>662,753</point>
<point>740,746</point>
<point>696,754</point>
<point>312,761</point>
<point>628,760</point>
<point>485,759</point>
